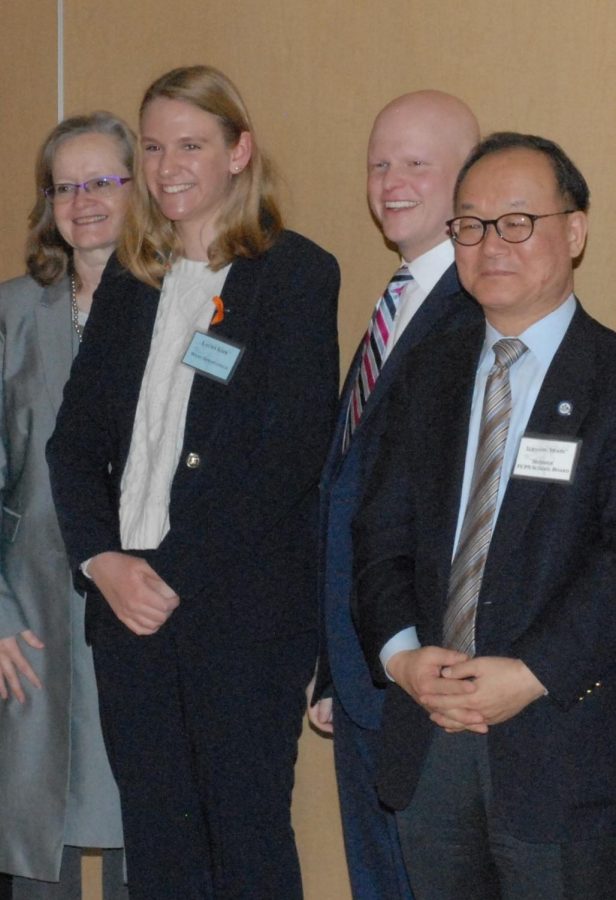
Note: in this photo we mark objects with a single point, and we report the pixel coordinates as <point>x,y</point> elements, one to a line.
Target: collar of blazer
<point>55,338</point>
<point>239,296</point>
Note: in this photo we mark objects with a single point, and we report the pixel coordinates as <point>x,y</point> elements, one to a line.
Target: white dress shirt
<point>426,270</point>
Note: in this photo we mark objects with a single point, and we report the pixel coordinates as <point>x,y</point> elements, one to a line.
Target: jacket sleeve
<point>12,619</point>
<point>383,537</point>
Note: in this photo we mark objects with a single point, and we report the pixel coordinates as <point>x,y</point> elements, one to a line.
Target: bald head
<point>446,116</point>
<point>417,146</point>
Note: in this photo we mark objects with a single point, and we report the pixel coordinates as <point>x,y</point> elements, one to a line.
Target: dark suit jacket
<point>343,481</point>
<point>241,550</point>
<point>549,590</point>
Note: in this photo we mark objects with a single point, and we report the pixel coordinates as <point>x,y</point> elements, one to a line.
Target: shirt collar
<point>430,267</point>
<point>542,338</point>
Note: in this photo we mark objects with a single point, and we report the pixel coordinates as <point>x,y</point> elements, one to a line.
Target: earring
<point>236,169</point>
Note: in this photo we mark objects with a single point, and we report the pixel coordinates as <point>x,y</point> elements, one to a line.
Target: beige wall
<point>27,110</point>
<point>314,73</point>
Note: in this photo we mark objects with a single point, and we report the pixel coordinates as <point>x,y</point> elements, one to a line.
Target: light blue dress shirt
<point>526,375</point>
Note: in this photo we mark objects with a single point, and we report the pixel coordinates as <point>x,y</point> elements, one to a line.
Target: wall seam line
<point>60,59</point>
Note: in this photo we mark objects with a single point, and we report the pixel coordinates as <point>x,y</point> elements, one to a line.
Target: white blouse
<point>186,305</point>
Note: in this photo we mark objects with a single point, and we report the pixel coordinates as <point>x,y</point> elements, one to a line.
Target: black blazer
<point>548,595</point>
<point>343,481</point>
<point>241,550</point>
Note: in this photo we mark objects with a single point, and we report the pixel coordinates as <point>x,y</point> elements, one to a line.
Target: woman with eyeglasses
<point>57,793</point>
<point>185,467</point>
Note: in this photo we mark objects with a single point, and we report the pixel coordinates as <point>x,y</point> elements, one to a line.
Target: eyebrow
<point>180,140</point>
<point>515,204</point>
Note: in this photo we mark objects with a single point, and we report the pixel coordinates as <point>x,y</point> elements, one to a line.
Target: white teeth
<point>89,220</point>
<point>401,204</point>
<point>175,188</point>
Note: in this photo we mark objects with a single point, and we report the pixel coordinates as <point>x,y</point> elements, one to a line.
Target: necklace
<point>75,309</point>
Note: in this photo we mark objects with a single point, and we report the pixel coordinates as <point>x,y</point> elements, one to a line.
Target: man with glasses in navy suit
<point>485,558</point>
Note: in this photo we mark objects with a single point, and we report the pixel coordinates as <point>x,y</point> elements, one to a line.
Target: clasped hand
<point>138,596</point>
<point>462,694</point>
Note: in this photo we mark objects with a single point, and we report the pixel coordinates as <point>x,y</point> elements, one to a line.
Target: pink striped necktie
<point>374,347</point>
<point>472,551</point>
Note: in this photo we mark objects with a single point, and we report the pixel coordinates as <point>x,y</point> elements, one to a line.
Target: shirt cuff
<point>404,640</point>
<point>84,568</point>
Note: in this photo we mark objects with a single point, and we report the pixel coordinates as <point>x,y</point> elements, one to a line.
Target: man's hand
<point>502,688</point>
<point>418,672</point>
<point>13,662</point>
<point>137,595</point>
<point>320,715</point>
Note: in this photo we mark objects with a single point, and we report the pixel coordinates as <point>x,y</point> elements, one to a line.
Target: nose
<point>492,242</point>
<point>82,197</point>
<point>166,162</point>
<point>392,178</point>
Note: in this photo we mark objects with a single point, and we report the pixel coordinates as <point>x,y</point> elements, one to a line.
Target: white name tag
<point>214,357</point>
<point>546,458</point>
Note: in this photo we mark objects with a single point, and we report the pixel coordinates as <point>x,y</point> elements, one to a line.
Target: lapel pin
<point>220,311</point>
<point>565,408</point>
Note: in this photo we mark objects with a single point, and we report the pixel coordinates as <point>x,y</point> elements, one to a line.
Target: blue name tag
<point>214,357</point>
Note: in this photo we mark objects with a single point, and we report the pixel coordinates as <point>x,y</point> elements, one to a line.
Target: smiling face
<point>90,224</point>
<point>188,167</point>
<point>518,284</point>
<point>416,149</point>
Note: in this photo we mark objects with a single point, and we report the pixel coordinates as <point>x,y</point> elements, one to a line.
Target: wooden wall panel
<point>314,74</point>
<point>27,111</point>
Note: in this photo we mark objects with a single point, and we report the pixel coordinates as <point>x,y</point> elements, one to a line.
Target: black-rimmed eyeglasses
<point>511,227</point>
<point>101,186</point>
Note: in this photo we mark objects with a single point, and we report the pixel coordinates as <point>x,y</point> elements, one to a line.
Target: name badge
<point>214,357</point>
<point>547,458</point>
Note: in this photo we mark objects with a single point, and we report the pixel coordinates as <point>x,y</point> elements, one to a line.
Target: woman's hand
<point>13,662</point>
<point>138,596</point>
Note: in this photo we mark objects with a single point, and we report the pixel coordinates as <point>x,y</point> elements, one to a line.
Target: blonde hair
<point>48,255</point>
<point>250,220</point>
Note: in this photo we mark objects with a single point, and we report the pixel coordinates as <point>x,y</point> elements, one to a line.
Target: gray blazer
<point>37,346</point>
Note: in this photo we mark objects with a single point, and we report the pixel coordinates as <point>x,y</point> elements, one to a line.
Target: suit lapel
<point>439,303</point>
<point>211,405</point>
<point>57,341</point>
<point>239,296</point>
<point>570,378</point>
<point>446,455</point>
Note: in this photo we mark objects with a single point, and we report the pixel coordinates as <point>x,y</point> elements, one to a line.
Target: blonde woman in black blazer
<point>204,641</point>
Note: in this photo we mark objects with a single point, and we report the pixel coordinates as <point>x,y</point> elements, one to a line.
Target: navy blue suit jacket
<point>342,484</point>
<point>548,595</point>
<point>242,546</point>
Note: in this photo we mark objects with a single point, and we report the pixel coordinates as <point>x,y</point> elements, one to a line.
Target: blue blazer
<point>548,595</point>
<point>342,484</point>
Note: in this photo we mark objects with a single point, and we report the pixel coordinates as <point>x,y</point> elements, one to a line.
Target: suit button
<point>193,460</point>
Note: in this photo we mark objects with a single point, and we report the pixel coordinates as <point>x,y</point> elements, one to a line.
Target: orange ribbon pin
<point>220,311</point>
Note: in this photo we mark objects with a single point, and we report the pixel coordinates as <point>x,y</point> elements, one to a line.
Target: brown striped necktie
<point>472,550</point>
